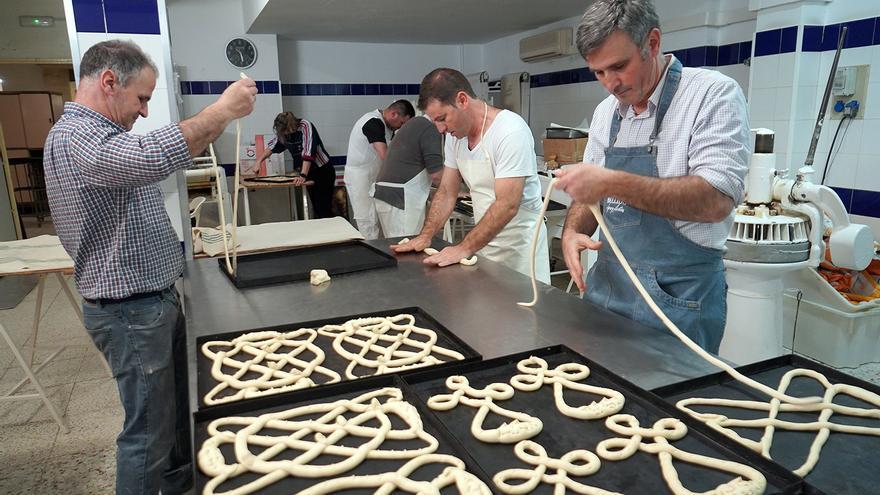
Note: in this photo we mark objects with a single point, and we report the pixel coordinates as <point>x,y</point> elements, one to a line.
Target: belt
<point>133,297</point>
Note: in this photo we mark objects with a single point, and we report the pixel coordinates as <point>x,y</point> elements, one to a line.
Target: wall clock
<point>241,53</point>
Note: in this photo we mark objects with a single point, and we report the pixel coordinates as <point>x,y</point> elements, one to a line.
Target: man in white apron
<point>493,152</point>
<point>666,159</point>
<point>414,160</point>
<point>367,145</point>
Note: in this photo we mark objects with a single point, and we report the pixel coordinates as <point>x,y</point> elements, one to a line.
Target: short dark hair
<point>124,58</point>
<point>403,107</point>
<point>442,85</point>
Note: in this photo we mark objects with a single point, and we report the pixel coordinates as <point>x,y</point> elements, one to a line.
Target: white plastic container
<point>834,337</point>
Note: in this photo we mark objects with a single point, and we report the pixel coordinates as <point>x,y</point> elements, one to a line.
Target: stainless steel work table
<point>477,303</point>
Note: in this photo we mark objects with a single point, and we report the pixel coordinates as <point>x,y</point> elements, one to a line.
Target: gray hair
<point>636,18</point>
<point>124,58</point>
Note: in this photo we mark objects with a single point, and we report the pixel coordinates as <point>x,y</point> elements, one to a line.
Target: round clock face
<point>241,53</point>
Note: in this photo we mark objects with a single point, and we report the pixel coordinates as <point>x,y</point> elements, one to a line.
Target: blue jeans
<point>143,340</point>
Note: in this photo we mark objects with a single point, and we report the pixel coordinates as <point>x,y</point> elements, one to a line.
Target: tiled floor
<point>35,455</point>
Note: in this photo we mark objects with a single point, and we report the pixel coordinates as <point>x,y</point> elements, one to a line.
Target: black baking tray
<point>847,464</point>
<point>640,474</point>
<point>290,484</point>
<point>291,265</point>
<point>445,338</point>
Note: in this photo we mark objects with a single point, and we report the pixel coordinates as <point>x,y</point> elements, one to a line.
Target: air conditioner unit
<point>542,46</point>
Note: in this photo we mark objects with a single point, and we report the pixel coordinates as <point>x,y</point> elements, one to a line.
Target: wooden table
<point>252,182</point>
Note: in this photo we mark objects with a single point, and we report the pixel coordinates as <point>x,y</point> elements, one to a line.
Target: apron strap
<point>670,86</point>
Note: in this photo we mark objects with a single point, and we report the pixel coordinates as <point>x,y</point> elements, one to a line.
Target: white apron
<point>512,246</point>
<point>359,181</point>
<point>398,222</point>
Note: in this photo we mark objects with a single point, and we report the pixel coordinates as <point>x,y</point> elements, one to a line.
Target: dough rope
<point>822,426</point>
<point>388,338</point>
<point>576,463</point>
<point>317,431</point>
<point>231,267</point>
<point>431,252</point>
<point>749,481</point>
<point>535,235</point>
<point>278,372</point>
<point>384,344</point>
<point>522,426</point>
<point>536,373</point>
<point>387,483</point>
<point>678,333</point>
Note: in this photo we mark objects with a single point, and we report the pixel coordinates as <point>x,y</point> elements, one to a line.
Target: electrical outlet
<point>851,79</point>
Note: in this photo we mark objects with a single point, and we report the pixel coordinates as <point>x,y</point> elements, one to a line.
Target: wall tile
<point>728,54</point>
<point>413,89</point>
<point>386,89</point>
<point>89,16</point>
<point>271,87</point>
<point>860,33</point>
<point>216,87</point>
<point>830,36</point>
<point>711,56</point>
<point>866,203</point>
<point>868,174</point>
<point>812,40</point>
<point>783,101</point>
<point>184,88</point>
<point>745,51</point>
<point>762,104</point>
<point>696,57</point>
<point>767,42</point>
<point>788,39</point>
<point>877,30</point>
<point>199,88</point>
<point>132,16</point>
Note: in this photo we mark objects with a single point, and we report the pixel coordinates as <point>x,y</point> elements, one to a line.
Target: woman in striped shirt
<point>310,158</point>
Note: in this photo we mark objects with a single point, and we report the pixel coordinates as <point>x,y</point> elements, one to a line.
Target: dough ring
<point>431,252</point>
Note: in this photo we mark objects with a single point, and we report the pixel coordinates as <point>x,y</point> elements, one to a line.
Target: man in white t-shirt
<point>493,152</point>
<point>367,145</point>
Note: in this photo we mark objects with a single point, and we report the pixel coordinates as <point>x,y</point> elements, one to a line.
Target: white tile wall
<point>868,172</point>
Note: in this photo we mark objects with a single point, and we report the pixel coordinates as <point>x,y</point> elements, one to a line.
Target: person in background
<point>108,209</point>
<point>666,159</point>
<point>367,146</point>
<point>300,137</point>
<point>493,151</point>
<point>414,161</point>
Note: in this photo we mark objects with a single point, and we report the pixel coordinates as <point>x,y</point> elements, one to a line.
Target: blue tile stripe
<point>860,202</point>
<point>699,56</point>
<point>862,32</point>
<point>331,89</point>
<point>116,16</point>
<point>217,87</point>
<point>348,89</point>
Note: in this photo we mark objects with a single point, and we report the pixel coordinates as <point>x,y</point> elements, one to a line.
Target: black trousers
<point>321,193</point>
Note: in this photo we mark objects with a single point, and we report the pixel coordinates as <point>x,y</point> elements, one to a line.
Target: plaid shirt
<point>106,204</point>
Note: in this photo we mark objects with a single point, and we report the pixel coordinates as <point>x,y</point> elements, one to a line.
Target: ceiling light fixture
<point>36,21</point>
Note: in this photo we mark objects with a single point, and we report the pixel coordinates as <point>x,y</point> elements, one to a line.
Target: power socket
<point>862,73</point>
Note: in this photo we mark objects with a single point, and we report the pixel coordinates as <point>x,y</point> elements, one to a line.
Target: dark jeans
<point>321,193</point>
<point>143,340</point>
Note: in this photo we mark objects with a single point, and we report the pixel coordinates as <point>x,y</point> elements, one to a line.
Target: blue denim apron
<point>685,279</point>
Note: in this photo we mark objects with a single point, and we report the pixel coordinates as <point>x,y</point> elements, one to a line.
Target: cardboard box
<point>566,150</point>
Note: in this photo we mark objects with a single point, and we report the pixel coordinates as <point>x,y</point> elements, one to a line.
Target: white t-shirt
<point>511,148</point>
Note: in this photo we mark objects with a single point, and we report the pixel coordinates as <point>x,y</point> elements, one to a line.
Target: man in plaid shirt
<point>102,183</point>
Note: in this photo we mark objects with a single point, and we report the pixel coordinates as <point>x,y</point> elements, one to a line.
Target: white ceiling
<point>409,21</point>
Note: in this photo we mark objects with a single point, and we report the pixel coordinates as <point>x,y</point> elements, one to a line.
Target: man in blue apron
<point>666,159</point>
<point>493,152</point>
